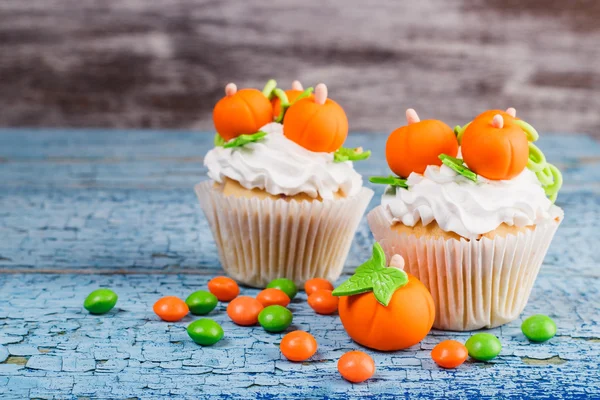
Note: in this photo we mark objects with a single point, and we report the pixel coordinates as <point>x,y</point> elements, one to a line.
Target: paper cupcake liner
<point>262,240</point>
<point>475,284</point>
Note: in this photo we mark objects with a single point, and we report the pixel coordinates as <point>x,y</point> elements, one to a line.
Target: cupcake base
<point>474,283</point>
<point>264,239</point>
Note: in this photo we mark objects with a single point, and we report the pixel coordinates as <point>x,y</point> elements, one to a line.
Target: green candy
<point>205,332</point>
<point>285,285</point>
<point>100,301</point>
<point>483,346</point>
<point>539,328</point>
<point>275,318</point>
<point>201,302</point>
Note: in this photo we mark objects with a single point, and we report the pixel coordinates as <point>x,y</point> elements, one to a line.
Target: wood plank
<point>133,63</point>
<point>123,201</point>
<point>57,349</point>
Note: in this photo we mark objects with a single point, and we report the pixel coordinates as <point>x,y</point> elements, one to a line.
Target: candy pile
<point>269,309</point>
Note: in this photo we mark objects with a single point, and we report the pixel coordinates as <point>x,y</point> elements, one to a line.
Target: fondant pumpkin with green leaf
<point>384,308</point>
<point>241,112</point>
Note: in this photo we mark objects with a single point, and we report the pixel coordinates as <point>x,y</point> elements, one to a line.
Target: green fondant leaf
<point>219,141</point>
<point>269,88</point>
<point>378,255</point>
<point>457,161</point>
<point>457,165</point>
<point>344,154</point>
<point>243,140</point>
<point>387,282</point>
<point>389,180</point>
<point>374,276</point>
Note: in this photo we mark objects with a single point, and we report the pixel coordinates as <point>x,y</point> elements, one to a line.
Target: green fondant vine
<point>271,91</point>
<point>548,175</point>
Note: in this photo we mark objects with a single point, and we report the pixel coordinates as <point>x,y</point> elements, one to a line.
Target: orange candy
<point>413,147</point>
<point>495,147</point>
<point>272,296</point>
<point>323,302</point>
<point>449,354</point>
<point>226,289</point>
<point>244,310</point>
<point>314,284</point>
<point>298,346</point>
<point>318,124</point>
<point>241,112</point>
<point>356,366</point>
<point>171,308</point>
<point>403,323</point>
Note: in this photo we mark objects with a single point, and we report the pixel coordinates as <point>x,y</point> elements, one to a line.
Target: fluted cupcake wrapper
<point>475,284</point>
<point>262,240</point>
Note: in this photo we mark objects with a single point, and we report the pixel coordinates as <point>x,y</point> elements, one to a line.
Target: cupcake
<point>471,211</point>
<point>283,200</point>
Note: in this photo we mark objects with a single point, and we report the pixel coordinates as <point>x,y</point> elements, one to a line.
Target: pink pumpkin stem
<point>512,112</point>
<point>412,117</point>
<point>230,89</point>
<point>296,85</point>
<point>320,93</point>
<point>498,121</point>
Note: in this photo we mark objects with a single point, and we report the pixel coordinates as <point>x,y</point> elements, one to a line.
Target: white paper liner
<point>475,284</point>
<point>262,240</point>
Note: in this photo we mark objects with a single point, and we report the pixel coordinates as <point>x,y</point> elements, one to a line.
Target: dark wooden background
<point>163,64</point>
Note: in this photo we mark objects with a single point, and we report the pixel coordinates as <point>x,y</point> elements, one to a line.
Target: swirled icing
<point>280,166</point>
<point>468,208</point>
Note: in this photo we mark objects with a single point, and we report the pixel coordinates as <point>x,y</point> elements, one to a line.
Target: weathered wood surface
<point>57,350</point>
<point>117,209</point>
<point>132,63</point>
<point>113,200</point>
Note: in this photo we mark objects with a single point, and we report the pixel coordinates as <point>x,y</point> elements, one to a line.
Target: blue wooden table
<point>83,209</point>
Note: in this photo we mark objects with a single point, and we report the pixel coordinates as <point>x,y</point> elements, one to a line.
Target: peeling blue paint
<point>72,205</point>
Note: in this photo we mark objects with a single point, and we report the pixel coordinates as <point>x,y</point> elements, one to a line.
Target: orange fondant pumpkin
<point>291,94</point>
<point>241,112</point>
<point>318,124</point>
<point>494,146</point>
<point>405,321</point>
<point>413,147</point>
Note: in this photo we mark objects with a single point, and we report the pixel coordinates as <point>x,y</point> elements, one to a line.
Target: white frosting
<point>465,207</point>
<point>280,166</point>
